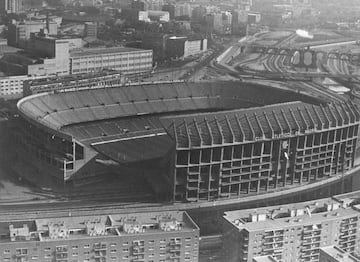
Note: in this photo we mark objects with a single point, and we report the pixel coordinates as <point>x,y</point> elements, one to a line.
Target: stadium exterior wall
<point>235,162</point>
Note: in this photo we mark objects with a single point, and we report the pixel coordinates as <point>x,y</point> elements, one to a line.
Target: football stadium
<point>190,141</point>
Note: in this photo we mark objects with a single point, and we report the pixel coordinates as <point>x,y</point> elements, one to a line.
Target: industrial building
<point>293,232</point>
<point>126,60</point>
<point>190,141</point>
<point>57,56</point>
<point>145,237</point>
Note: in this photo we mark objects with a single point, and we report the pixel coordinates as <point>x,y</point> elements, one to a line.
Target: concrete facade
<point>90,30</point>
<point>19,33</point>
<point>125,237</point>
<point>335,254</point>
<point>11,87</point>
<point>11,6</point>
<point>193,47</point>
<point>294,232</point>
<point>154,15</point>
<point>55,53</point>
<point>125,60</point>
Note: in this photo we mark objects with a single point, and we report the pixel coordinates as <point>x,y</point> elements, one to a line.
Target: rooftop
<point>102,50</point>
<point>96,226</point>
<point>338,254</point>
<point>264,259</point>
<point>283,216</point>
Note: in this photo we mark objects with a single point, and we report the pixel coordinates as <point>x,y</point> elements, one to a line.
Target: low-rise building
<point>11,87</point>
<point>294,232</point>
<point>118,237</point>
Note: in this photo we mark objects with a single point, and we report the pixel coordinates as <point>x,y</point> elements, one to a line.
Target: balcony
<point>175,248</point>
<point>175,242</point>
<point>138,250</point>
<point>100,254</point>
<point>175,255</point>
<point>100,246</point>
<point>139,258</point>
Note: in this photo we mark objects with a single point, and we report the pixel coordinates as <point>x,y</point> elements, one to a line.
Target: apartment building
<point>335,254</point>
<point>150,237</point>
<point>293,232</point>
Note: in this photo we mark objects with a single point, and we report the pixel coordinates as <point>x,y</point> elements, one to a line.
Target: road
<point>278,67</point>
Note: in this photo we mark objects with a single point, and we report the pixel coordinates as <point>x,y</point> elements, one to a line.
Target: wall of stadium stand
<point>220,150</point>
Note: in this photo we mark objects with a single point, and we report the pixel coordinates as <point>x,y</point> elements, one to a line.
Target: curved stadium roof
<point>181,114</point>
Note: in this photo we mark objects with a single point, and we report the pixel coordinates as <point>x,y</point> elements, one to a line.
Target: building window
<point>125,250</point>
<point>87,246</point>
<point>34,257</point>
<point>6,251</point>
<point>75,247</point>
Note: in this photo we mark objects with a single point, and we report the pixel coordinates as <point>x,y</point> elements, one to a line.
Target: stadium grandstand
<point>190,141</point>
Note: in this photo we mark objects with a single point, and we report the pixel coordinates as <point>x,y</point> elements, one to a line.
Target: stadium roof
<point>146,121</point>
<point>258,123</point>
